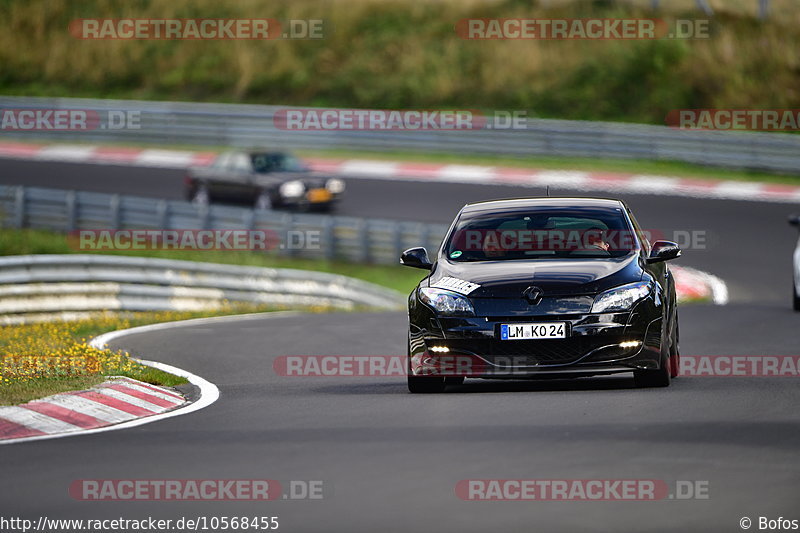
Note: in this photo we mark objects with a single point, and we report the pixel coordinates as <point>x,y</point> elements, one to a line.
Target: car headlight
<point>335,185</point>
<point>621,298</point>
<point>446,302</point>
<point>292,189</point>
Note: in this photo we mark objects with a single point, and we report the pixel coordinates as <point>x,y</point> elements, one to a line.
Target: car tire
<point>201,195</point>
<point>796,297</point>
<point>675,351</point>
<point>264,201</point>
<point>661,376</point>
<point>426,384</point>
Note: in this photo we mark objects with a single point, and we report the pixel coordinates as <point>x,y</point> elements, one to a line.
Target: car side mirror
<point>664,251</point>
<point>794,220</point>
<point>416,258</point>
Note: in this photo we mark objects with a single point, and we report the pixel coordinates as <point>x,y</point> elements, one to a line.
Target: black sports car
<point>265,179</point>
<point>543,287</point>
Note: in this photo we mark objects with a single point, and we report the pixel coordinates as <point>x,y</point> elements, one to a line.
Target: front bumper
<point>317,196</point>
<point>472,347</point>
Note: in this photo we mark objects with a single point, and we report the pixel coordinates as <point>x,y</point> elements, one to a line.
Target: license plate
<point>319,195</point>
<point>540,330</point>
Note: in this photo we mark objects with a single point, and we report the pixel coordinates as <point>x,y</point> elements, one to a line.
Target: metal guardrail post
<point>249,220</point>
<point>397,240</point>
<point>70,203</point>
<point>204,216</point>
<point>162,214</point>
<point>114,211</point>
<point>33,285</point>
<point>287,225</point>
<point>364,240</point>
<point>328,240</point>
<point>19,207</point>
<point>425,237</point>
<point>245,125</point>
<point>348,238</point>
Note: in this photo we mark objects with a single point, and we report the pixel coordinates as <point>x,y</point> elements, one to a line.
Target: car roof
<point>514,204</point>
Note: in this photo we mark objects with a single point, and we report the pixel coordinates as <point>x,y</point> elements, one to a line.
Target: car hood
<point>555,277</point>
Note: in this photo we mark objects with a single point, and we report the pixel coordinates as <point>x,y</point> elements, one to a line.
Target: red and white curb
<point>80,153</point>
<point>208,392</point>
<point>561,179</point>
<point>693,284</point>
<point>431,172</point>
<point>112,402</point>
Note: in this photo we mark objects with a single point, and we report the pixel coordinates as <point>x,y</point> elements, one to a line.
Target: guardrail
<point>311,236</point>
<point>248,125</point>
<point>41,287</point>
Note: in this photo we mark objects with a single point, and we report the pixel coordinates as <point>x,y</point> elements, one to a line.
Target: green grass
<point>400,54</point>
<point>58,346</point>
<point>16,242</point>
<point>19,393</point>
<point>403,279</point>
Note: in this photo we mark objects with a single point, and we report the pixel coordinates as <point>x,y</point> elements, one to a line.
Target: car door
<point>242,184</point>
<point>230,177</point>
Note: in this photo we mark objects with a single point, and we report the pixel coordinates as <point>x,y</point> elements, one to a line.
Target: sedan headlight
<point>620,298</point>
<point>335,185</point>
<point>447,303</point>
<point>292,189</point>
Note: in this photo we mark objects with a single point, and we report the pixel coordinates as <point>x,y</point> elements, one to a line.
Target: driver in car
<point>594,239</point>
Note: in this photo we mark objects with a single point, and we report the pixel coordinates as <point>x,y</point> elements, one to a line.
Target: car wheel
<point>661,376</point>
<point>201,196</point>
<point>675,351</point>
<point>426,384</point>
<point>264,201</point>
<point>796,298</point>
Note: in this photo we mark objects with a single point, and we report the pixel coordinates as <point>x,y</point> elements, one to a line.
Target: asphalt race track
<point>390,461</point>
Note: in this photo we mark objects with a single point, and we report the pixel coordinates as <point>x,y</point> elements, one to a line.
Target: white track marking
<point>133,400</point>
<point>369,168</point>
<point>66,152</point>
<point>466,173</point>
<point>158,394</point>
<point>209,393</point>
<point>37,421</point>
<point>85,406</point>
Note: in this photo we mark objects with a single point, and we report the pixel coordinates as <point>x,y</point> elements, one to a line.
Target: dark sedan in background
<point>545,287</point>
<point>266,179</point>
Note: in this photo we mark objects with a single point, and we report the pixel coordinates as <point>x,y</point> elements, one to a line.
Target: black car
<point>543,287</point>
<point>264,179</point>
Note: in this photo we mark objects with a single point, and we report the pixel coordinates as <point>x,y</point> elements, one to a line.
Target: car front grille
<point>530,352</point>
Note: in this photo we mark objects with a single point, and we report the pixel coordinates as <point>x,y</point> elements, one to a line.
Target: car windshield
<point>277,162</point>
<point>542,233</point>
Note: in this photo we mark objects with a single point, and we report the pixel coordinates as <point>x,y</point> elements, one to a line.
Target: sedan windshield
<point>277,162</point>
<point>542,233</point>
